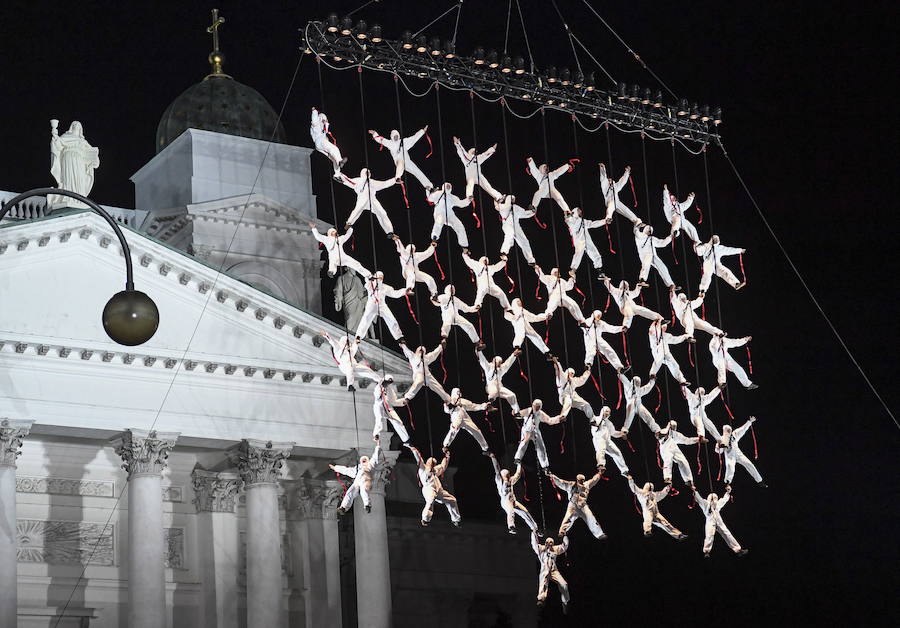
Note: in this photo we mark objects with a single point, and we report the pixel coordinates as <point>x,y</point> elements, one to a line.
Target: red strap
<point>609,240</point>
<point>471,275</point>
<point>430,145</point>
<point>547,334</point>
<point>512,284</point>
<point>703,310</point>
<point>699,214</point>
<point>605,307</point>
<point>537,291</point>
<point>659,459</point>
<point>412,422</point>
<point>475,216</point>
<point>636,507</point>
<point>583,297</point>
<point>331,137</point>
<point>630,446</point>
<point>521,372</point>
<point>438,262</point>
<point>572,163</point>
<point>562,440</point>
<point>625,347</point>
<point>699,466</point>
<point>597,386</point>
<point>658,397</point>
<point>755,448</point>
<point>743,274</point>
<point>691,353</point>
<point>619,391</point>
<point>525,491</point>
<point>725,403</point>
<point>403,189</point>
<point>719,473</point>
<point>558,496</point>
<point>343,485</point>
<point>480,330</point>
<point>674,253</point>
<point>353,243</point>
<point>631,181</point>
<point>749,359</point>
<point>444,367</point>
<point>538,220</point>
<point>409,307</point>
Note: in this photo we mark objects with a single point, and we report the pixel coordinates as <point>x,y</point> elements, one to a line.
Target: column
<point>315,542</point>
<point>12,432</point>
<point>215,496</point>
<point>144,454</point>
<point>373,572</point>
<point>259,465</point>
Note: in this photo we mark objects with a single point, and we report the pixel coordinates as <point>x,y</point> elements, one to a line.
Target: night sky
<point>808,125</point>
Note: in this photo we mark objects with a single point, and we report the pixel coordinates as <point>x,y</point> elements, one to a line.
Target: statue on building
<point>72,164</point>
<point>350,298</point>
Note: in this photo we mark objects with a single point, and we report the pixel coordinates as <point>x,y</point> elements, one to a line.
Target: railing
<point>36,207</point>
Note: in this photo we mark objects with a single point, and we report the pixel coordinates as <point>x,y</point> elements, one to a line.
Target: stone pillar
<point>144,454</point>
<point>215,496</point>
<point>373,571</point>
<point>259,465</point>
<point>315,543</point>
<point>11,434</point>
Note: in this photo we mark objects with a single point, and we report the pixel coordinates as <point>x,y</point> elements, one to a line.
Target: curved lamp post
<point>130,316</point>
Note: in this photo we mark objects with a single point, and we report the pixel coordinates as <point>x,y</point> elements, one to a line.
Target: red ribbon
<point>630,446</point>
<point>521,372</point>
<point>412,422</point>
<point>583,297</point>
<point>674,253</point>
<point>558,496</point>
<point>525,491</point>
<point>512,284</point>
<point>438,262</point>
<point>572,163</point>
<point>719,473</point>
<point>405,199</point>
<point>430,145</point>
<point>343,486</point>
<point>699,466</point>
<point>749,360</point>
<point>538,220</point>
<point>331,137</point>
<point>444,367</point>
<point>562,440</point>
<point>625,347</point>
<point>658,397</point>
<point>475,216</point>
<point>597,386</point>
<point>480,330</point>
<point>699,214</point>
<point>409,307</point>
<point>609,240</point>
<point>725,403</point>
<point>605,307</point>
<point>619,390</point>
<point>755,448</point>
<point>691,353</point>
<point>631,181</point>
<point>537,291</point>
<point>659,460</point>
<point>636,507</point>
<point>743,274</point>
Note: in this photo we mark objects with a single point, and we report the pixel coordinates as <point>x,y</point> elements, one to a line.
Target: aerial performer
<point>399,147</point>
<point>344,350</point>
<point>649,501</point>
<point>567,384</point>
<point>430,473</point>
<point>647,244</point>
<point>366,189</point>
<point>660,341</point>
<point>634,393</point>
<point>532,417</point>
<point>521,320</point>
<point>727,445</point>
<point>472,164</point>
<point>452,309</point>
<point>362,479</point>
<point>445,202</point>
<point>593,328</point>
<point>546,181</point>
<point>669,440</point>
<point>420,364</point>
<point>377,293</point>
<point>611,191</point>
<point>711,254</point>
<point>602,433</point>
<point>510,215</point>
<point>493,377</point>
<point>674,212</point>
<point>557,287</point>
<point>484,273</point>
<point>319,130</point>
<point>625,300</point>
<point>686,313</point>
<point>712,510</point>
<point>386,398</point>
<point>409,264</point>
<point>577,507</point>
<point>547,553</point>
<point>718,349</point>
<point>581,238</point>
<point>697,402</point>
<point>337,257</point>
<point>457,407</point>
<point>508,502</point>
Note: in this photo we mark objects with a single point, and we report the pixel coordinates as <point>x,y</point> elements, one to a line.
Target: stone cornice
<point>12,431</point>
<point>144,452</point>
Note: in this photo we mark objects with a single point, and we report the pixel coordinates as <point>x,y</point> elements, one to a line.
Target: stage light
<point>506,64</point>
<point>520,65</point>
<point>623,91</point>
<point>635,94</point>
<point>449,50</point>
<point>551,74</point>
<point>406,40</point>
<point>421,44</point>
<point>479,56</point>
<point>658,99</point>
<point>717,116</point>
<point>565,76</point>
<point>493,60</point>
<point>647,96</point>
<point>333,23</point>
<point>375,34</point>
<point>683,107</point>
<point>362,30</point>
<point>579,80</point>
<point>695,111</point>
<point>346,26</point>
<point>436,47</point>
<point>589,82</point>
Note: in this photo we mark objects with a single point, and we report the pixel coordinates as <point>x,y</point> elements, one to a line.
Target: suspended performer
<point>521,320</point>
<point>649,501</point>
<point>727,445</point>
<point>581,239</point>
<point>660,341</point>
<point>686,312</point>
<point>611,191</point>
<point>452,308</point>
<point>420,364</point>
<point>319,130</point>
<point>337,257</point>
<point>366,189</point>
<point>674,212</point>
<point>430,473</point>
<point>712,510</point>
<point>445,202</point>
<point>386,397</point>
<point>484,273</point>
<point>625,300</point>
<point>647,244</point>
<point>718,349</point>
<point>493,377</point>
<point>634,394</point>
<point>409,265</point>
<point>546,181</point>
<point>362,479</point>
<point>532,417</point>
<point>344,350</point>
<point>567,385</point>
<point>511,506</point>
<point>473,163</point>
<point>547,554</point>
<point>557,287</point>
<point>510,215</point>
<point>593,328</point>
<point>711,254</point>
<point>602,433</point>
<point>457,407</point>
<point>399,148</point>
<point>697,402</point>
<point>377,293</point>
<point>577,507</point>
<point>669,440</point>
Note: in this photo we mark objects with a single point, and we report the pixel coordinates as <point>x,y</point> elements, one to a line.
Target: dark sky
<point>810,127</point>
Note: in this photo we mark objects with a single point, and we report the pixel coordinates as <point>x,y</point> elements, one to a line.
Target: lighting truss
<point>629,107</point>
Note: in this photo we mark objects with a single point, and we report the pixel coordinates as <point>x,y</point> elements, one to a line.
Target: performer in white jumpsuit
<point>547,555</point>
<point>727,445</point>
<point>409,264</point>
<point>452,307</point>
<point>660,341</point>
<point>473,165</point>
<point>602,433</point>
<point>711,254</point>
<point>493,377</point>
<point>611,191</point>
<point>521,320</point>
<point>457,407</point>
<point>344,350</point>
<point>318,130</point>
<point>366,189</point>
<point>718,349</point>
<point>674,212</point>
<point>510,215</point>
<point>484,273</point>
<point>420,365</point>
<point>362,480</point>
<point>377,293</point>
<point>712,509</point>
<point>567,385</point>
<point>634,394</point>
<point>593,328</point>
<point>385,398</point>
<point>508,502</point>
<point>445,202</point>
<point>577,507</point>
<point>532,417</point>
<point>337,257</point>
<point>546,181</point>
<point>625,299</point>
<point>647,244</point>
<point>399,148</point>
<point>649,501</point>
<point>557,287</point>
<point>685,312</point>
<point>697,402</point>
<point>430,473</point>
<point>581,239</point>
<point>669,440</point>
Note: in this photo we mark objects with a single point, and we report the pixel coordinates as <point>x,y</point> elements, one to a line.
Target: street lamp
<point>130,317</point>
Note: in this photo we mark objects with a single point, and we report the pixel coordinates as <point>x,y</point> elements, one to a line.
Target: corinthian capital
<point>12,431</point>
<point>381,473</point>
<point>215,491</point>
<point>259,461</point>
<point>143,451</point>
<point>318,499</point>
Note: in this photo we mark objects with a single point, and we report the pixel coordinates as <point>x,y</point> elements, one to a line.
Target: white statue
<point>72,164</point>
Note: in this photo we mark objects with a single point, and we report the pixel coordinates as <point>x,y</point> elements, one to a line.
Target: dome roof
<point>221,104</point>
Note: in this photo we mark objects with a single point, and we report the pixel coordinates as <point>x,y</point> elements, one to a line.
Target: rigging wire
<point>568,34</point>
<point>456,6</point>
<point>525,33</point>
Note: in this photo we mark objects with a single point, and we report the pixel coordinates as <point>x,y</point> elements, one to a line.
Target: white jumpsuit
<point>697,402</point>
<point>409,265</point>
<point>634,394</point>
<point>521,320</point>
<point>531,431</point>
<point>444,203</point>
<point>399,149</point>
<point>602,433</point>
<point>344,350</point>
<point>567,389</point>
<point>660,341</point>
<point>451,307</point>
<point>647,244</point>
<point>593,328</point>
<point>546,182</point>
<point>484,280</point>
<point>670,439</point>
<point>432,489</point>
<point>711,256</point>
<point>508,502</point>
<point>718,349</point>
<point>649,501</point>
<point>385,398</point>
<point>727,444</point>
<point>474,175</point>
<point>419,364</point>
<point>611,191</point>
<point>578,508</point>
<point>362,479</point>
<point>510,215</point>
<point>337,257</point>
<point>549,571</point>
<point>493,378</point>
<point>377,293</point>
<point>625,299</point>
<point>318,130</point>
<point>581,239</point>
<point>674,212</point>
<point>366,188</point>
<point>457,408</point>
<point>686,313</point>
<point>557,287</point>
<point>712,510</point>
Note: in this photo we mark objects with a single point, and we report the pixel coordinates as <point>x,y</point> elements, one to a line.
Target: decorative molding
<point>318,499</point>
<point>174,494</point>
<point>12,431</point>
<point>173,544</point>
<point>65,486</point>
<point>144,452</point>
<point>64,542</point>
<point>215,491</point>
<point>259,461</point>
